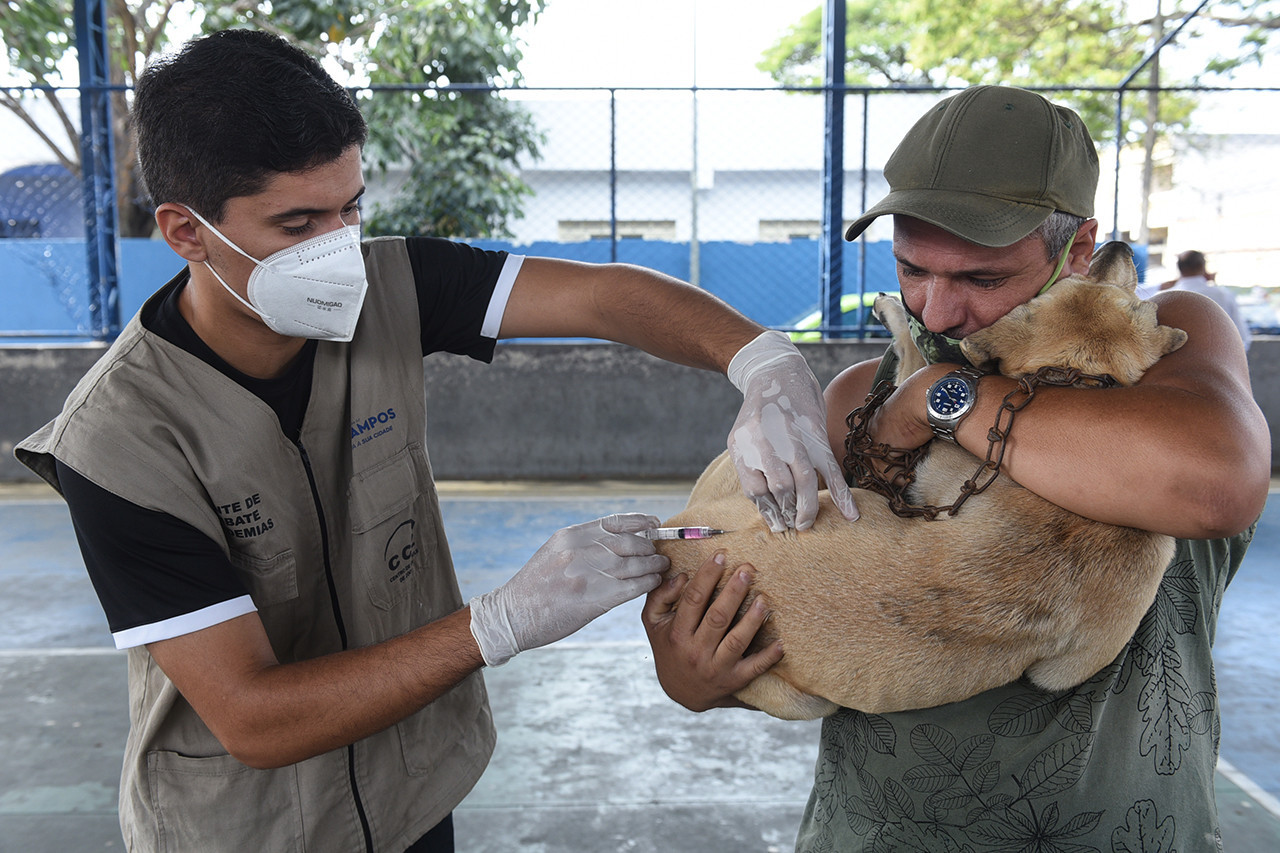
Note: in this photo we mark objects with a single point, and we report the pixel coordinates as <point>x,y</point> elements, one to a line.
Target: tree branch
<point>15,106</point>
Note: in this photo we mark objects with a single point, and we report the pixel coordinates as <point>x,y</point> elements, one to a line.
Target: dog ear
<point>890,311</point>
<point>886,306</point>
<point>1169,338</point>
<point>1113,263</point>
<point>1165,339</point>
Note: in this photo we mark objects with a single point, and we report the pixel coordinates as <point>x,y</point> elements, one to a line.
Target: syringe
<point>681,532</point>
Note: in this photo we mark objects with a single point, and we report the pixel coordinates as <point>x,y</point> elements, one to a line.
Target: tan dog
<point>890,613</point>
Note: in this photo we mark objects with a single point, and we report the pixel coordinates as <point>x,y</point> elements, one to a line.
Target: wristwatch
<point>951,399</point>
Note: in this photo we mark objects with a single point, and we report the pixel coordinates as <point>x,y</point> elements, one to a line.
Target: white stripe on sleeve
<point>187,623</point>
<point>501,293</point>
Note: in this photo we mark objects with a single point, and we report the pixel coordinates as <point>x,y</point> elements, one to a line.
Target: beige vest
<point>345,532</point>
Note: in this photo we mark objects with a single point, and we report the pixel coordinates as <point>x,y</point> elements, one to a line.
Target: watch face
<point>950,397</point>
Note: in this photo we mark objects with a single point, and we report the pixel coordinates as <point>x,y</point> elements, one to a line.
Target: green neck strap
<point>1062,262</point>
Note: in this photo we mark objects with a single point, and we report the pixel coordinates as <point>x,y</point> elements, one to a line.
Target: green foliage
<point>36,35</point>
<point>1033,43</point>
<point>878,41</point>
<point>304,22</point>
<point>458,146</point>
<point>458,149</point>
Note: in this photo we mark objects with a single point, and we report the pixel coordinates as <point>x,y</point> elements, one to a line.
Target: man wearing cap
<point>991,194</point>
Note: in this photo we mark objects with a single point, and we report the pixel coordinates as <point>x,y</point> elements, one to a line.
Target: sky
<point>653,43</point>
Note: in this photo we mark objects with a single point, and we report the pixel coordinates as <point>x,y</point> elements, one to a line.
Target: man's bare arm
<point>628,304</point>
<point>1186,452</point>
<point>269,714</point>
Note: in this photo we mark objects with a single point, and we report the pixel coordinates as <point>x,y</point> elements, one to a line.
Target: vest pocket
<point>217,803</point>
<point>393,522</point>
<point>270,580</point>
<point>446,727</point>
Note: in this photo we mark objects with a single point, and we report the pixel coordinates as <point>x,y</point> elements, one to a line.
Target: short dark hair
<point>218,118</point>
<point>1191,263</point>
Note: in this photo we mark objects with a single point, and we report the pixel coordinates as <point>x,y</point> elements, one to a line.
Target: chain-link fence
<point>719,187</point>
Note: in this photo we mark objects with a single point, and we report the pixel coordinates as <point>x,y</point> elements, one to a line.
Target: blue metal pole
<point>613,175</point>
<point>97,167</point>
<point>832,247</point>
<point>862,240</point>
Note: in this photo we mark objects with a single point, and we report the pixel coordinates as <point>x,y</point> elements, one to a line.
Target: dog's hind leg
<point>776,696</point>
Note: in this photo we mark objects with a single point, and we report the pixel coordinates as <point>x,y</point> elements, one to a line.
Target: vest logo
<point>245,518</point>
<point>401,553</point>
<point>371,427</point>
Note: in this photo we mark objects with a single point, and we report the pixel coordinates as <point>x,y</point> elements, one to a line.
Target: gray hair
<point>1057,231</point>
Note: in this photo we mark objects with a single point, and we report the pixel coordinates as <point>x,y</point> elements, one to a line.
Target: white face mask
<point>312,290</point>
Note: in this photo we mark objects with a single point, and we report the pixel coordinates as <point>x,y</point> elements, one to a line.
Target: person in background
<point>1194,276</point>
<point>991,194</point>
<point>248,479</point>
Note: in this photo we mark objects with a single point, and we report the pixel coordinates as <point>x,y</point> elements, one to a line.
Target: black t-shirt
<point>159,577</point>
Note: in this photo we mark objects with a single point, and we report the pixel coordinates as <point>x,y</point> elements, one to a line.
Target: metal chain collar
<point>861,452</point>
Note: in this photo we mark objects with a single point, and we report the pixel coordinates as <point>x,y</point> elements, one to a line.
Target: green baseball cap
<point>989,165</point>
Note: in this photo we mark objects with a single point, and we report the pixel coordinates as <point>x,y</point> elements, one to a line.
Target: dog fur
<point>889,613</point>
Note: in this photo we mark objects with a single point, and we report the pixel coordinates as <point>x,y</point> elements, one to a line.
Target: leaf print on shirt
<point>963,800</point>
<point>1171,712</point>
<point>1143,831</point>
<point>1057,768</point>
<point>1025,714</point>
<point>1039,833</point>
<point>955,776</point>
<point>847,735</point>
<point>958,799</point>
<point>1031,712</point>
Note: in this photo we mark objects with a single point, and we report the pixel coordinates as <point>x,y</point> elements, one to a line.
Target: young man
<point>247,477</point>
<point>992,197</point>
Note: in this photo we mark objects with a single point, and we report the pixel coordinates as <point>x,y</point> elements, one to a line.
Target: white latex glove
<point>581,572</point>
<point>779,442</point>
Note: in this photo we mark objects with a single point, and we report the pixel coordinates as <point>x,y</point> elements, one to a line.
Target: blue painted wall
<point>43,285</point>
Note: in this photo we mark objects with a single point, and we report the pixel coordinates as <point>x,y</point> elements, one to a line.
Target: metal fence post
<point>862,208</point>
<point>1115,198</point>
<point>613,175</point>
<point>695,250</point>
<point>832,248</point>
<point>97,167</point>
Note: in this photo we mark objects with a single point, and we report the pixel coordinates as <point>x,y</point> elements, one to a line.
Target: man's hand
<point>779,443</point>
<point>902,422</point>
<point>580,573</point>
<point>698,648</point>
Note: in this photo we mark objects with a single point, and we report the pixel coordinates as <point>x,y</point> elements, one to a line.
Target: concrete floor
<point>591,756</point>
